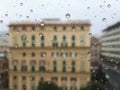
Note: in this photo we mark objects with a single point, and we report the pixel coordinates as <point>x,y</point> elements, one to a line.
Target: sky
<point>100,13</point>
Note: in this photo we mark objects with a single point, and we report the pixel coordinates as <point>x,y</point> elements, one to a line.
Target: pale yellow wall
<point>16,53</point>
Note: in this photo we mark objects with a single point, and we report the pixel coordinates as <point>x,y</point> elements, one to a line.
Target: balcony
<point>110,55</point>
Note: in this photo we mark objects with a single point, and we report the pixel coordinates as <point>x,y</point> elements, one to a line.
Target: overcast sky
<point>101,13</point>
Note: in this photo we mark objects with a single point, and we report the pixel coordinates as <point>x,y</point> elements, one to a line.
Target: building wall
<point>78,60</point>
<point>95,51</point>
<point>111,54</point>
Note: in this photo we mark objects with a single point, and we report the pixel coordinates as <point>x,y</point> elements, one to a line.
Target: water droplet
<point>6,14</point>
<point>42,24</point>
<point>1,21</point>
<point>41,34</point>
<point>114,13</point>
<point>31,11</point>
<point>16,45</point>
<point>115,67</point>
<point>88,7</point>
<point>42,5</point>
<point>81,42</point>
<point>67,15</point>
<point>20,15</point>
<point>107,76</point>
<point>100,6</point>
<point>27,16</point>
<point>108,5</point>
<point>90,34</point>
<point>35,19</point>
<point>21,4</point>
<point>104,19</point>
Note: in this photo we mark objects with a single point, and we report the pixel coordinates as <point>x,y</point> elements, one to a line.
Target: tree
<point>44,85</point>
<point>93,86</point>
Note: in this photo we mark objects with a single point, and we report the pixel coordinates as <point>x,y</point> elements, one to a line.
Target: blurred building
<point>111,54</point>
<point>4,61</point>
<point>51,50</point>
<point>4,45</point>
<point>95,51</point>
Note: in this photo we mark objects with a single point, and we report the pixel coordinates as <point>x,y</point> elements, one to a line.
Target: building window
<point>42,66</point>
<point>24,37</point>
<point>54,44</point>
<point>15,86</point>
<point>24,28</point>
<point>54,28</point>
<point>33,37</point>
<point>63,88</point>
<point>33,65</point>
<point>73,44</point>
<point>81,42</point>
<point>15,77</point>
<point>55,38</point>
<point>33,87</point>
<point>73,66</point>
<point>33,28</point>
<point>64,66</point>
<point>64,54</point>
<point>43,54</point>
<point>73,79</point>
<point>14,27</point>
<point>24,87</point>
<point>54,78</point>
<point>64,79</point>
<point>24,66</point>
<point>73,69</point>
<point>33,43</point>
<point>24,44</point>
<point>82,66</point>
<point>24,54</point>
<point>73,63</point>
<point>32,78</point>
<point>64,28</point>
<point>64,44</point>
<point>23,78</point>
<point>73,54</point>
<point>42,44</point>
<point>33,54</point>
<point>73,38</point>
<point>64,38</point>
<point>15,63</point>
<point>55,54</point>
<point>54,66</point>
<point>73,28</point>
<point>73,88</point>
<point>82,27</point>
<point>42,38</point>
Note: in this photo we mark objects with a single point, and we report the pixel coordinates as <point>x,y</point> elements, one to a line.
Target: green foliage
<point>47,86</point>
<point>93,86</point>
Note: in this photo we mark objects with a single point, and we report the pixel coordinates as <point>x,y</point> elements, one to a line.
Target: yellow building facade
<point>51,50</point>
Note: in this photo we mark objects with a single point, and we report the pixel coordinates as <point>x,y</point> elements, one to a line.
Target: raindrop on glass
<point>104,19</point>
<point>27,16</point>
<point>42,24</point>
<point>100,6</point>
<point>67,15</point>
<point>1,21</point>
<point>20,15</point>
<point>42,5</point>
<point>88,7</point>
<point>6,14</point>
<point>114,13</point>
<point>21,4</point>
<point>31,11</point>
<point>108,5</point>
<point>107,76</point>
